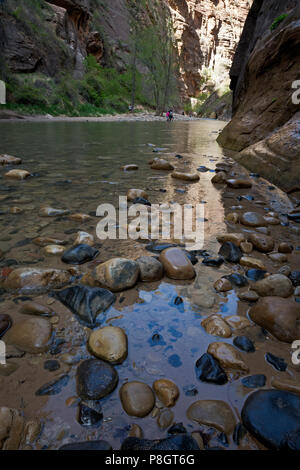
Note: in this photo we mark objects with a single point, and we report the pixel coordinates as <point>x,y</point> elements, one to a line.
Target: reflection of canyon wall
<point>207,33</point>
<point>266,123</point>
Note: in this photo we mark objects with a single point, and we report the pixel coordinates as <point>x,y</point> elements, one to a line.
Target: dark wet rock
<point>203,169</point>
<point>5,323</point>
<point>51,365</point>
<point>238,433</point>
<point>214,262</point>
<point>159,247</point>
<point>273,417</point>
<point>87,446</point>
<point>156,340</point>
<point>190,390</point>
<point>254,381</point>
<point>95,379</point>
<point>137,398</point>
<point>244,343</point>
<point>79,254</point>
<point>237,279</point>
<point>209,370</point>
<point>277,362</point>
<point>87,303</point>
<point>141,200</point>
<point>150,269</point>
<point>178,301</point>
<point>90,414</point>
<point>177,428</point>
<point>230,252</point>
<point>57,346</point>
<point>54,387</point>
<point>295,278</point>
<point>223,439</point>
<point>176,442</point>
<point>295,217</point>
<point>256,274</point>
<point>191,256</point>
<point>33,335</point>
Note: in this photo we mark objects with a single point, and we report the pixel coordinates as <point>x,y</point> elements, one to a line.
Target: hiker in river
<point>170,116</point>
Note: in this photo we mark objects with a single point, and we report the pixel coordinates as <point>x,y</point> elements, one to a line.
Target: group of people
<point>169,115</point>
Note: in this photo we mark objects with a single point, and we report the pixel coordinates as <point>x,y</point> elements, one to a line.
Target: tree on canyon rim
<point>155,48</point>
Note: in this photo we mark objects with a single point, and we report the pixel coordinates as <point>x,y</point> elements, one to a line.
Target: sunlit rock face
<point>266,119</point>
<point>207,33</point>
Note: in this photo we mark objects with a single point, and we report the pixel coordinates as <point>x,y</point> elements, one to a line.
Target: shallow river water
<point>76,166</point>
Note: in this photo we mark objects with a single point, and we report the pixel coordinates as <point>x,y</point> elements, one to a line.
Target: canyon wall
<point>265,128</point>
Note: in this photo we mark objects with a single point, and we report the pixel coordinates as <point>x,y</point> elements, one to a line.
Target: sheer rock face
<point>207,33</point>
<point>266,123</point>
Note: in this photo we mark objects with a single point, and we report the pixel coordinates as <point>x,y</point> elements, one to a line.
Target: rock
<point>132,194</point>
<point>135,431</point>
<point>137,398</point>
<point>32,335</point>
<point>17,174</point>
<point>262,242</point>
<point>237,279</point>
<point>256,274</point>
<point>244,344</point>
<point>183,442</point>
<point>236,322</point>
<point>263,230</point>
<point>249,296</point>
<point>54,387</point>
<point>295,278</point>
<point>223,285</point>
<point>150,269</point>
<point>274,285</point>
<point>167,392</point>
<point>109,343</point>
<point>252,219</point>
<point>9,160</point>
<point>219,178</point>
<point>54,249</point>
<point>236,238</point>
<point>8,368</point>
<point>278,257</point>
<point>44,241</point>
<point>159,247</point>
<point>276,362</point>
<point>84,238</point>
<point>285,270</point>
<point>213,262</point>
<point>90,414</point>
<point>285,248</point>
<point>233,217</point>
<point>230,252</point>
<point>190,177</point>
<point>279,316</point>
<point>246,247</point>
<point>176,264</point>
<point>161,164</point>
<point>11,428</point>
<point>239,183</point>
<point>87,446</point>
<point>227,356</point>
<point>272,417</point>
<point>86,303</point>
<point>79,254</point>
<point>165,419</point>
<point>5,323</point>
<point>95,379</point>
<point>117,274</point>
<point>272,220</point>
<point>29,280</point>
<point>34,308</point>
<point>215,413</point>
<point>215,325</point>
<point>15,210</point>
<point>79,217</point>
<point>130,167</point>
<point>254,381</point>
<point>52,365</point>
<point>252,262</point>
<point>209,370</point>
<point>51,212</point>
<point>286,385</point>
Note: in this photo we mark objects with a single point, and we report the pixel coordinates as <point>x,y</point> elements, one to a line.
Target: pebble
<point>237,322</point>
<point>161,164</point>
<point>95,379</point>
<point>32,335</point>
<point>223,285</point>
<point>274,285</point>
<point>165,419</point>
<point>256,274</point>
<point>286,385</point>
<point>79,254</point>
<point>84,238</point>
<point>190,177</point>
<point>233,217</point>
<point>213,262</point>
<point>244,344</point>
<point>130,167</point>
<point>5,323</point>
<point>252,219</point>
<point>79,217</point>
<point>54,387</point>
<point>166,391</point>
<point>150,269</point>
<point>219,178</point>
<point>54,249</point>
<point>117,274</point>
<point>52,212</point>
<point>52,365</point>
<point>249,296</point>
<point>17,174</point>
<point>176,264</point>
<point>44,241</point>
<point>135,431</point>
<point>109,343</point>
<point>227,356</point>
<point>239,183</point>
<point>295,278</point>
<point>277,362</point>
<point>246,247</point>
<point>252,263</point>
<point>132,194</point>
<point>236,238</point>
<point>209,370</point>
<point>215,413</point>
<point>254,381</point>
<point>34,308</point>
<point>137,398</point>
<point>237,279</point>
<point>90,414</point>
<point>9,160</point>
<point>28,280</point>
<point>179,442</point>
<point>215,325</point>
<point>261,242</point>
<point>230,252</point>
<point>285,248</point>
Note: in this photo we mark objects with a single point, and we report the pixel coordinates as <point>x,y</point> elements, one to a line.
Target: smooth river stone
<point>285,248</point>
<point>161,164</point>
<point>84,238</point>
<point>261,242</point>
<point>32,335</point>
<point>246,247</point>
<point>137,398</point>
<point>236,238</point>
<point>252,219</point>
<point>54,249</point>
<point>227,356</point>
<point>250,262</point>
<point>209,370</point>
<point>215,325</point>
<point>37,279</point>
<point>17,174</point>
<point>130,167</point>
<point>132,194</point>
<point>79,217</point>
<point>215,413</point>
<point>117,274</point>
<point>223,285</point>
<point>281,317</point>
<point>44,241</point>
<point>249,296</point>
<point>34,308</point>
<point>272,220</point>
<point>150,269</point>
<point>274,285</point>
<point>79,254</point>
<point>230,252</point>
<point>9,160</point>
<point>273,417</point>
<point>52,212</point>
<point>239,183</point>
<point>236,322</point>
<point>95,379</point>
<point>219,178</point>
<point>166,391</point>
<point>185,176</point>
<point>176,264</point>
<point>278,257</point>
<point>109,343</point>
<point>5,323</point>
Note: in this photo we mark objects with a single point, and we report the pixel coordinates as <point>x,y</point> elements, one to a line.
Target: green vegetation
<point>277,21</point>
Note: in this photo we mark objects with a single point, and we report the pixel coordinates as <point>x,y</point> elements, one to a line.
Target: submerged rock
<point>29,280</point>
<point>261,242</point>
<point>277,362</point>
<point>239,183</point>
<point>177,442</point>
<point>237,279</point>
<point>252,219</point>
<point>190,177</point>
<point>150,269</point>
<point>274,285</point>
<point>90,414</point>
<point>254,381</point>
<point>161,164</point>
<point>52,212</point>
<point>295,278</point>
<point>249,296</point>
<point>54,249</point>
<point>86,303</point>
<point>137,398</point>
<point>215,413</point>
<point>54,387</point>
<point>95,379</point>
<point>17,174</point>
<point>176,264</point>
<point>222,285</point>
<point>227,356</point>
<point>109,343</point>
<point>213,262</point>
<point>84,238</point>
<point>209,370</point>
<point>44,241</point>
<point>9,160</point>
<point>132,194</point>
<point>244,343</point>
<point>273,417</point>
<point>230,252</point>
<point>215,325</point>
<point>236,238</point>
<point>256,274</point>
<point>167,392</point>
<point>130,167</point>
<point>117,274</point>
<point>79,254</point>
<point>32,335</point>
